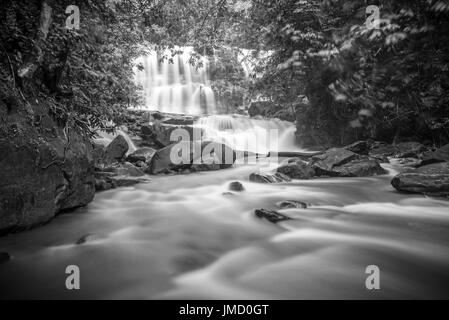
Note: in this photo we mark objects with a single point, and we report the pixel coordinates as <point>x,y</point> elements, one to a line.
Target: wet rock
<point>87,238</point>
<point>432,179</point>
<point>359,147</point>
<point>409,149</point>
<point>291,204</point>
<point>268,177</point>
<point>208,164</point>
<point>147,130</point>
<point>360,168</point>
<point>4,257</point>
<point>236,186</point>
<point>272,216</point>
<point>334,157</point>
<point>437,185</point>
<point>435,168</point>
<point>42,175</point>
<point>297,169</point>
<point>439,155</point>
<point>124,169</point>
<point>187,155</point>
<point>142,155</point>
<point>102,185</point>
<point>116,150</point>
<point>380,150</point>
<point>124,181</point>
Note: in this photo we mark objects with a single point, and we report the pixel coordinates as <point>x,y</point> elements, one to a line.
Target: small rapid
<point>186,236</point>
<point>259,136</point>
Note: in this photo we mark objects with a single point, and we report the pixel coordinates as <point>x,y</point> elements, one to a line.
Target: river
<point>183,237</point>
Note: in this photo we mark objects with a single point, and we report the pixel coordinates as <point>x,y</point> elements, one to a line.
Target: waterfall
<point>246,134</point>
<point>175,86</point>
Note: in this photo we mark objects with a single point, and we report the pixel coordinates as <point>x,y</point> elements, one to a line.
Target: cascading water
<point>175,86</point>
<point>247,134</point>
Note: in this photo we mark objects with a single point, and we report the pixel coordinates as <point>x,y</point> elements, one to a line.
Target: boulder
<point>439,155</point>
<point>380,150</point>
<point>435,168</point>
<point>195,155</point>
<point>431,180</point>
<point>236,186</point>
<point>141,155</point>
<point>42,175</point>
<point>260,177</point>
<point>272,216</point>
<point>324,163</point>
<point>409,149</point>
<point>291,204</point>
<point>116,150</point>
<point>359,147</point>
<point>162,131</point>
<point>360,168</point>
<point>297,169</point>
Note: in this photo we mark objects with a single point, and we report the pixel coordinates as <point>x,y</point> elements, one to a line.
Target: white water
<point>180,237</point>
<point>177,87</point>
<point>248,134</point>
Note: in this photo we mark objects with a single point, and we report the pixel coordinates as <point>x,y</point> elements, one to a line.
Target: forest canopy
<point>344,78</point>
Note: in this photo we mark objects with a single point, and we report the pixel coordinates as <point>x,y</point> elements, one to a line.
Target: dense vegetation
<point>345,80</point>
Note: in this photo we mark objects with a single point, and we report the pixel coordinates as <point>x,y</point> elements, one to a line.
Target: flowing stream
<point>183,236</point>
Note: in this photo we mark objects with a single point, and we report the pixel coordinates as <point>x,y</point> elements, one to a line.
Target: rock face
<point>44,170</point>
<point>297,169</point>
<point>268,177</point>
<point>432,179</point>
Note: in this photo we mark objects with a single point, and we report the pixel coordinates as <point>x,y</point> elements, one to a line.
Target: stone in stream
<point>268,177</point>
<point>236,186</point>
<point>431,180</point>
<point>325,163</point>
<point>87,238</point>
<point>272,216</point>
<point>360,168</point>
<point>297,169</point>
<point>291,204</point>
<point>190,154</point>
<point>4,257</point>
